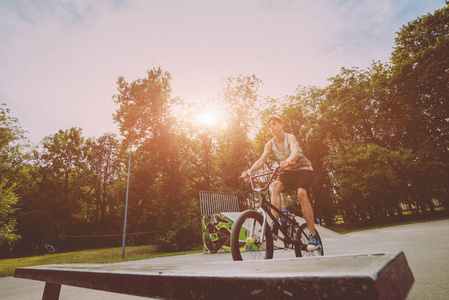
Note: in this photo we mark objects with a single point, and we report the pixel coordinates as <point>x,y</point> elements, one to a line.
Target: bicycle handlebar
<point>272,173</point>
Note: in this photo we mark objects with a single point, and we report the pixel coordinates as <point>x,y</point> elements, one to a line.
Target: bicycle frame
<point>265,208</point>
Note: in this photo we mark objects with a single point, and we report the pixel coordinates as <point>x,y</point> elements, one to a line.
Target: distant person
<point>298,177</point>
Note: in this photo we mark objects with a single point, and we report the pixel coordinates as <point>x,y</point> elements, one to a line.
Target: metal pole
<point>126,205</point>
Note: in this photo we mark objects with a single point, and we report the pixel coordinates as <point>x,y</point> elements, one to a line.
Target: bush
<point>183,234</point>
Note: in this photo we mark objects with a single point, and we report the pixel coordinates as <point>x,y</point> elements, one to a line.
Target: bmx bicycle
<point>252,238</point>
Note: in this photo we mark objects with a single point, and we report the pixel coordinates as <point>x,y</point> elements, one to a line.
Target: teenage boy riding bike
<point>298,177</point>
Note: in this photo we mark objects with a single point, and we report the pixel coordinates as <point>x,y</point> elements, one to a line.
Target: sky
<point>60,59</point>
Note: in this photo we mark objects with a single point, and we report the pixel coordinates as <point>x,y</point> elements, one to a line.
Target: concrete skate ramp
<point>377,276</point>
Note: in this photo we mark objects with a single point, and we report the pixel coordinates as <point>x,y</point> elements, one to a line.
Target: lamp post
<point>126,205</point>
<point>145,113</point>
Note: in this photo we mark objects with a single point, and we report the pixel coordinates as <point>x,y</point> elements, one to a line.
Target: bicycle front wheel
<point>247,242</point>
<point>302,239</point>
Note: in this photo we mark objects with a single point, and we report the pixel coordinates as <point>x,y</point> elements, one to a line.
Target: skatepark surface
<point>424,244</point>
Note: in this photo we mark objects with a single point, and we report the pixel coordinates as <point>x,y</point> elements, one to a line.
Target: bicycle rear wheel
<point>302,239</point>
<point>246,240</point>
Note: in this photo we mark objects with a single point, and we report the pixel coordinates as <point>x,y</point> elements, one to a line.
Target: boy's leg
<point>278,187</point>
<point>307,210</point>
<point>304,182</point>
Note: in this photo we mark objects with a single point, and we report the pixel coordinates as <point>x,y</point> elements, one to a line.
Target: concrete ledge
<point>377,276</point>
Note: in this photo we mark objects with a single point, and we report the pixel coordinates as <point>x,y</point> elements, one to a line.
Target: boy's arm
<point>260,162</point>
<point>294,147</point>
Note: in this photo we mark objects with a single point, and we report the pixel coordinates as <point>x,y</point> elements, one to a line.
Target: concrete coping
<point>364,276</point>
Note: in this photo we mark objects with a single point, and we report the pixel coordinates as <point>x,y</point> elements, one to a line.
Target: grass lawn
<point>109,255</point>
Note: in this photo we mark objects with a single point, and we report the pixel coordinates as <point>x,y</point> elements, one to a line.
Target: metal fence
<point>212,203</point>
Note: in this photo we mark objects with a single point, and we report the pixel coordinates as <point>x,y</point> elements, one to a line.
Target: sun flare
<point>208,119</point>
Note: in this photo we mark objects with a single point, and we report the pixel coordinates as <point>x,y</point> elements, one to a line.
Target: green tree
<point>8,199</point>
<point>145,116</point>
<point>236,153</point>
<point>353,107</point>
<point>103,173</point>
<point>420,63</point>
<point>62,164</point>
<point>200,151</point>
<point>303,114</point>
<point>367,179</point>
<point>13,156</point>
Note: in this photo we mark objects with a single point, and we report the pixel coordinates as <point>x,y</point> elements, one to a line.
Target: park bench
<point>365,276</point>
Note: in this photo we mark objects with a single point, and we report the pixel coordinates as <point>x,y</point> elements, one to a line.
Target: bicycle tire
<point>302,239</point>
<point>244,249</point>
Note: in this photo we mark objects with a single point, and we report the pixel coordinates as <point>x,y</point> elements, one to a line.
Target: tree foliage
<point>13,155</point>
<point>145,116</point>
<point>420,72</point>
<point>241,99</point>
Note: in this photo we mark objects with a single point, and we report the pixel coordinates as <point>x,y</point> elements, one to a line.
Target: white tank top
<point>302,163</point>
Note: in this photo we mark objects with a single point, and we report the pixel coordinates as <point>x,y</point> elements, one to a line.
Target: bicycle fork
<point>264,224</point>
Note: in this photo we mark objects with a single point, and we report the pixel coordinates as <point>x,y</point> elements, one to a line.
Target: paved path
<point>426,246</point>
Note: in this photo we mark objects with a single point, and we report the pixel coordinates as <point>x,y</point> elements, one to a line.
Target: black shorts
<point>294,180</point>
